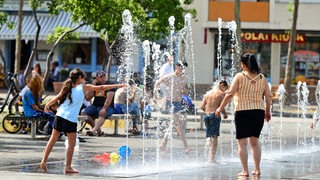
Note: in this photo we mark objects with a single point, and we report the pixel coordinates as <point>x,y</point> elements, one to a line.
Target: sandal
<point>91,133</point>
<point>100,133</point>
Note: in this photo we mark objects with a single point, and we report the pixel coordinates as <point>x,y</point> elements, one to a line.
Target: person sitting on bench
<point>101,107</point>
<point>133,95</point>
<point>31,100</point>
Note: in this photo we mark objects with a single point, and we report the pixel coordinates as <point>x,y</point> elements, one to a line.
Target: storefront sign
<point>270,37</point>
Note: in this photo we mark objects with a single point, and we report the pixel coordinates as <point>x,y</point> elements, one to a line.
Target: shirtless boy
<point>211,101</point>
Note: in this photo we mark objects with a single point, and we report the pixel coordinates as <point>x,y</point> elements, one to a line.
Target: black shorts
<point>249,123</point>
<point>62,125</point>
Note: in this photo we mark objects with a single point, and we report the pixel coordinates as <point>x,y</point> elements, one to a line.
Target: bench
<point>33,121</point>
<point>114,117</point>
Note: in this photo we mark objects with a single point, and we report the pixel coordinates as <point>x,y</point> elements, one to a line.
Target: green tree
<point>105,16</point>
<point>293,33</point>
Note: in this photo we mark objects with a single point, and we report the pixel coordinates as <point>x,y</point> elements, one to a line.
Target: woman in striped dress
<point>252,99</point>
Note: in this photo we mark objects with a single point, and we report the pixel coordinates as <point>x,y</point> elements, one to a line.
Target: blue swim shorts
<point>212,125</point>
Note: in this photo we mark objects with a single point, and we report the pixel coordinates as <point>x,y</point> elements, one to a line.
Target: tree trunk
<point>50,54</point>
<point>18,40</point>
<point>239,31</point>
<point>34,49</point>
<point>291,47</point>
<point>4,68</point>
<point>4,62</point>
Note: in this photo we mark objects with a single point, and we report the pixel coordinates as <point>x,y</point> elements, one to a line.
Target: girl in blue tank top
<point>70,99</point>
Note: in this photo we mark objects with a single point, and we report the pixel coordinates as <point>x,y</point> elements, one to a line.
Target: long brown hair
<point>68,84</point>
<point>36,87</point>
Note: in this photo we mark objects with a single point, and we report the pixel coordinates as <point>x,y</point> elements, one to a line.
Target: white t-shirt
<point>165,69</point>
<point>23,91</point>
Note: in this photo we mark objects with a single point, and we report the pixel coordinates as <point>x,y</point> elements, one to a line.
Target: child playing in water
<point>211,101</point>
<point>70,99</point>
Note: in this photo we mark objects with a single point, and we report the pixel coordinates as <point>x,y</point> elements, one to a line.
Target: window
<point>76,52</point>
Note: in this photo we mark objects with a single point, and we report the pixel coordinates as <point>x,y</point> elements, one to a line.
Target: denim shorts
<point>133,109</point>
<point>93,111</point>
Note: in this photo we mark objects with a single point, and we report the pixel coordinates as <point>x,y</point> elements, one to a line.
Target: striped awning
<point>48,23</point>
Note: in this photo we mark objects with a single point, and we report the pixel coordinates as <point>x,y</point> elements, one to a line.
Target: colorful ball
<point>124,151</point>
<point>114,156</point>
<point>105,156</point>
<point>97,158</point>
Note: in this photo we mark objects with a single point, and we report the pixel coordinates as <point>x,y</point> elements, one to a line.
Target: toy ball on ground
<point>105,156</point>
<point>124,151</point>
<point>114,156</point>
<point>97,158</point>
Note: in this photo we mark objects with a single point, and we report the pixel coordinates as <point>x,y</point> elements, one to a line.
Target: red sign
<point>273,37</point>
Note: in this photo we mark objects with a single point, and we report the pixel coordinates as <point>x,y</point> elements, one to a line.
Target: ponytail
<point>74,75</point>
<point>250,61</point>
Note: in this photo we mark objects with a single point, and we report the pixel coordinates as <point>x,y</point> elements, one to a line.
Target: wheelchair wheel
<point>11,126</point>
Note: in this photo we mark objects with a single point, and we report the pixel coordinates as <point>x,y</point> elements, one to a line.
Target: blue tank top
<point>70,111</point>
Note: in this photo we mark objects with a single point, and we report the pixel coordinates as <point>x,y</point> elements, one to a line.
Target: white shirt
<point>165,69</point>
<point>23,91</point>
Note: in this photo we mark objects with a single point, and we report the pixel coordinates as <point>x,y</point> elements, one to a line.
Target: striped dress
<point>250,93</point>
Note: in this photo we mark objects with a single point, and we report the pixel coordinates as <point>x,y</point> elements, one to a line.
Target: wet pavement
<point>290,150</point>
<point>292,153</point>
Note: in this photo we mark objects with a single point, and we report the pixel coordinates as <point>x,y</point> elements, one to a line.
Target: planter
<point>57,87</point>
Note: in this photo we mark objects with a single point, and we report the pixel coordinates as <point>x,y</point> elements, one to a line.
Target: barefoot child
<point>211,101</point>
<point>70,99</point>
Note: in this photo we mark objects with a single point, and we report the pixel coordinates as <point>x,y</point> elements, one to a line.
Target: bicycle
<point>13,90</point>
<point>11,126</point>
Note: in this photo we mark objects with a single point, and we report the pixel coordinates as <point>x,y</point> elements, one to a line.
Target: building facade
<point>87,53</point>
<point>265,25</point>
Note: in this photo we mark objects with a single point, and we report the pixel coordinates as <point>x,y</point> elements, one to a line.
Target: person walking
<point>177,86</point>
<point>211,101</point>
<point>252,99</point>
<point>70,99</point>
